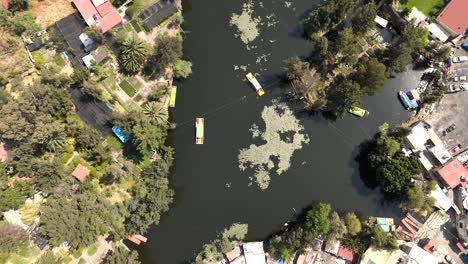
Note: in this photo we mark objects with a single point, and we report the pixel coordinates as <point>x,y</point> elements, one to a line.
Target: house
<point>420,256</point>
<point>453,18</point>
<point>441,200</point>
<point>233,254</point>
<point>254,253</point>
<point>80,172</point>
<point>97,55</point>
<point>153,16</point>
<point>98,13</point>
<point>419,138</point>
<point>453,174</point>
<point>380,256</point>
<point>4,3</point>
<point>431,245</point>
<point>347,254</point>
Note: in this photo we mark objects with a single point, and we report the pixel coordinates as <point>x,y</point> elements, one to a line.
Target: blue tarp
<point>279,261</point>
<point>120,134</point>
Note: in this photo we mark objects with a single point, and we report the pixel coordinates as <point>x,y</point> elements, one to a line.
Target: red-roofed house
<point>453,173</point>
<point>347,254</point>
<point>4,3</point>
<point>454,17</point>
<point>98,13</point>
<point>80,172</point>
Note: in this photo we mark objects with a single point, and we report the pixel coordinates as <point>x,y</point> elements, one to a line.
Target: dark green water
<point>203,204</point>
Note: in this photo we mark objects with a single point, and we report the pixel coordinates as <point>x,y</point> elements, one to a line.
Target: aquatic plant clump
<point>247,25</point>
<point>278,119</point>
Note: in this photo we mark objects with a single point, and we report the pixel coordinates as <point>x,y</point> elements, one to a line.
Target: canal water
<point>211,191</point>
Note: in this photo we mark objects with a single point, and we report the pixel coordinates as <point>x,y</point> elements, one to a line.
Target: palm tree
<point>55,140</point>
<point>133,54</point>
<point>156,112</point>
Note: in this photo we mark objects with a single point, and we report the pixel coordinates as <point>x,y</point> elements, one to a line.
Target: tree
<point>133,54</point>
<point>12,237</point>
<point>91,88</point>
<point>156,112</point>
<point>151,196</point>
<point>88,138</point>
<point>353,223</point>
<point>347,46</point>
<point>49,258</point>
<point>55,140</point>
<point>121,255</point>
<point>95,34</point>
<point>363,21</point>
<point>17,121</point>
<point>339,228</point>
<point>411,39</point>
<point>80,75</point>
<point>4,97</point>
<point>327,16</point>
<point>148,138</point>
<point>14,196</point>
<point>370,75</point>
<point>417,199</point>
<point>18,5</point>
<point>382,240</point>
<point>46,175</point>
<point>167,50</point>
<point>77,219</point>
<point>317,221</point>
<point>396,173</point>
<point>24,23</point>
<point>182,68</point>
<point>342,96</point>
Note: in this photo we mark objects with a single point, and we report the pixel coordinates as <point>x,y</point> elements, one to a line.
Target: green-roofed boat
<point>173,96</point>
<point>357,111</point>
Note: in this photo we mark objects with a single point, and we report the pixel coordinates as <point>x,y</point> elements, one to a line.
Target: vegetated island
<point>348,61</point>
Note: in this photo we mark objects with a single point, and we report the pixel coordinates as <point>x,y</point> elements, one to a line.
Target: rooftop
<point>453,173</point>
<point>98,13</point>
<point>158,12</point>
<point>454,16</point>
<point>421,256</point>
<point>346,254</point>
<point>233,254</point>
<point>80,172</point>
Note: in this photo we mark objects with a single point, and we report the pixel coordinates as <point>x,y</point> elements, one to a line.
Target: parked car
<point>455,149</point>
<point>452,88</point>
<point>463,86</point>
<point>460,59</point>
<point>449,259</point>
<point>459,78</point>
<point>464,46</point>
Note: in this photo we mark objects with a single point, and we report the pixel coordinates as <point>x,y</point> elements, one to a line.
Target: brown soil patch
<point>48,12</point>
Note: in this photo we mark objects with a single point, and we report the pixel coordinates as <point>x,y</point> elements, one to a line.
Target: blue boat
<point>120,134</point>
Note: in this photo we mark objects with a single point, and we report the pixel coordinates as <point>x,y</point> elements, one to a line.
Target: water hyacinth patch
<point>279,120</point>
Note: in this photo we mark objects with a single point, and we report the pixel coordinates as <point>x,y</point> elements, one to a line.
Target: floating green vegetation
<point>247,25</point>
<point>279,120</point>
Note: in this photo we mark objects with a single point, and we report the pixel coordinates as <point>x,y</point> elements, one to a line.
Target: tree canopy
<point>166,51</point>
<point>364,18</point>
<point>133,54</point>
<point>370,75</point>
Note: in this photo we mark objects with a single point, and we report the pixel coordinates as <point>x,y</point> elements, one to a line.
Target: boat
<point>173,96</point>
<point>199,133</point>
<point>255,84</point>
<point>357,111</point>
<point>408,103</point>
